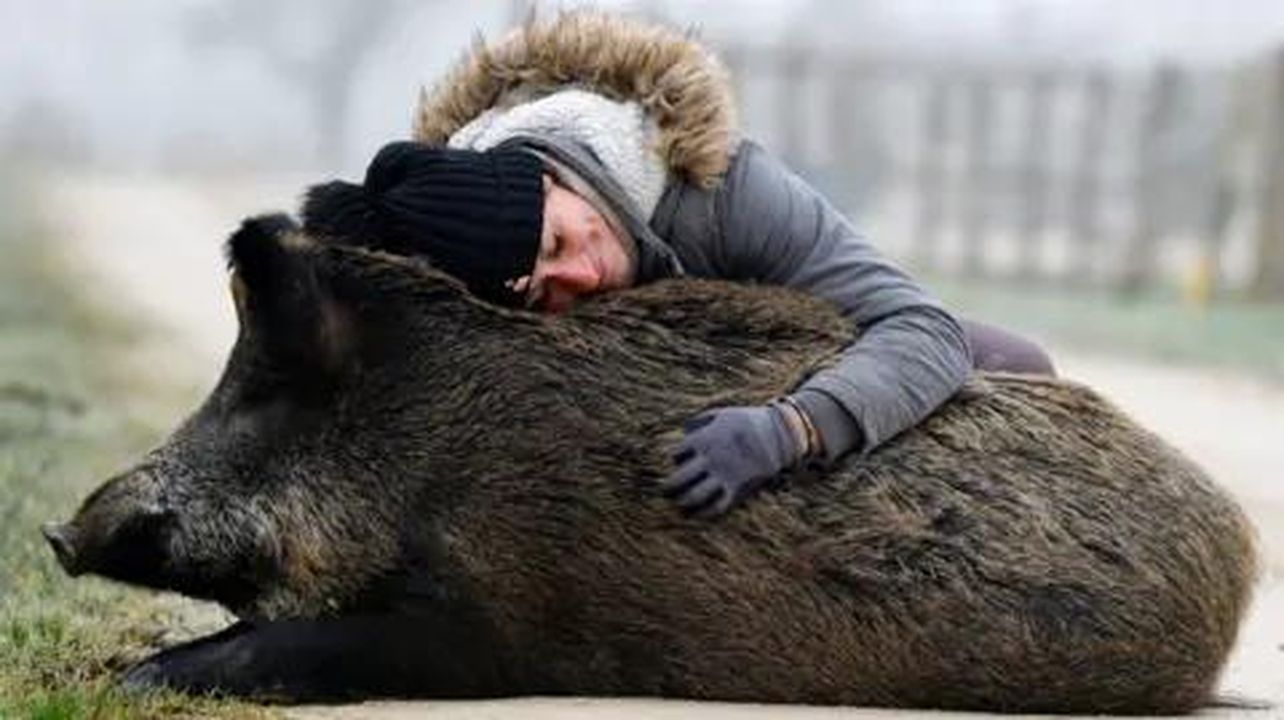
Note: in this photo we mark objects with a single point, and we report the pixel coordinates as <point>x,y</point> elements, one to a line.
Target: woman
<point>595,153</point>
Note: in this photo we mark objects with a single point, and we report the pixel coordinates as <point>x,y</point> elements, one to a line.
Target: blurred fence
<point>1084,175</point>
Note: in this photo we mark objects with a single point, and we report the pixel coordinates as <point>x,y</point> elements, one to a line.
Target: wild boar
<point>403,490</point>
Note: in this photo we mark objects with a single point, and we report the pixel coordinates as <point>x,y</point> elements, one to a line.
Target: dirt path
<point>155,246</point>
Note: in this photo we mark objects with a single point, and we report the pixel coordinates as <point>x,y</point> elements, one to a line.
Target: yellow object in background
<point>1197,282</point>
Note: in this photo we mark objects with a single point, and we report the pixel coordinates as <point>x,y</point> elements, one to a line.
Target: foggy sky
<point>128,80</point>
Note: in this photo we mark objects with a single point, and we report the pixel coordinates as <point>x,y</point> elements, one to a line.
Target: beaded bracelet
<point>811,438</point>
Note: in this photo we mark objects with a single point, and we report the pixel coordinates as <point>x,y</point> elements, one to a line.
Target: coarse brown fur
<point>676,80</point>
<point>1027,548</point>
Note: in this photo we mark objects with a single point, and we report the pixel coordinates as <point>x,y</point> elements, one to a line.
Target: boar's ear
<point>280,300</point>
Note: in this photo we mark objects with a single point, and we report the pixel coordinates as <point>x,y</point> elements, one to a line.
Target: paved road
<point>154,247</point>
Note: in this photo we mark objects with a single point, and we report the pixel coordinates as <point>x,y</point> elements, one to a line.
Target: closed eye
<point>550,244</point>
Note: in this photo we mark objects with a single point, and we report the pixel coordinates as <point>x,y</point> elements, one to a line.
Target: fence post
<point>1156,121</point>
<point>1035,172</point>
<point>735,58</point>
<point>1236,140</point>
<point>977,188</point>
<point>931,171</point>
<point>1085,193</point>
<point>848,104</point>
<point>1268,280</point>
<point>792,80</point>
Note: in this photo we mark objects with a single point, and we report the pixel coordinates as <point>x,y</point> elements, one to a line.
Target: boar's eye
<point>272,381</point>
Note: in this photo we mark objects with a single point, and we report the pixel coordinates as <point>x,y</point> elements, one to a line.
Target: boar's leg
<point>328,659</point>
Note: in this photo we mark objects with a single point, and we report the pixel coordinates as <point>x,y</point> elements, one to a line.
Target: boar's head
<point>288,490</point>
<point>369,397</point>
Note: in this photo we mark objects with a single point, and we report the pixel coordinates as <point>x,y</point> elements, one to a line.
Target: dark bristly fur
<point>460,501</point>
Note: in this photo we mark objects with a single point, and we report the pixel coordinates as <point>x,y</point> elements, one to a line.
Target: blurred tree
<point>42,132</point>
<point>316,46</point>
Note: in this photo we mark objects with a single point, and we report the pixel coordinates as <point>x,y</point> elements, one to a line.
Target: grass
<point>1233,334</point>
<point>70,416</point>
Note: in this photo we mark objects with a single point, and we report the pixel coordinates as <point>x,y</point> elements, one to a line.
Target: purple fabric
<point>997,350</point>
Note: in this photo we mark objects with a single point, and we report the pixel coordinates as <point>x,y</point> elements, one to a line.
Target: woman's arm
<point>912,354</point>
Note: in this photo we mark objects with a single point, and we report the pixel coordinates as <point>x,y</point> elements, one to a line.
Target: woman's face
<point>580,253</point>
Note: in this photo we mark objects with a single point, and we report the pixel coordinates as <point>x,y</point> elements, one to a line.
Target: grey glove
<point>728,454</point>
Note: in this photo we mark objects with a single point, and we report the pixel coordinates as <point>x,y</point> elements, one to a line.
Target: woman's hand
<point>729,453</point>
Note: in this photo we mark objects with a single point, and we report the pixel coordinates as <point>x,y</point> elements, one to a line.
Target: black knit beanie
<point>475,215</point>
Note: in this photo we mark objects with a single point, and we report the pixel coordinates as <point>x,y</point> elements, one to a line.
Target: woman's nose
<point>576,274</point>
<point>565,281</point>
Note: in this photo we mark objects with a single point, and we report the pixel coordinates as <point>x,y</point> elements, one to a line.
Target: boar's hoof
<point>210,665</point>
<point>286,661</point>
<point>144,677</point>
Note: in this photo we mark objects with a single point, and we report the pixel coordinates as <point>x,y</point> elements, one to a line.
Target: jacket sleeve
<point>911,355</point>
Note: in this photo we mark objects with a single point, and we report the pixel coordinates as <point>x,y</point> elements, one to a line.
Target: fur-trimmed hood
<point>678,81</point>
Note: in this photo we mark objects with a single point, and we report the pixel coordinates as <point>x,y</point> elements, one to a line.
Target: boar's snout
<point>62,538</point>
<point>121,531</point>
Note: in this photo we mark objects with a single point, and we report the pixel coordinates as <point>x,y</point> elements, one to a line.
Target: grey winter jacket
<point>766,224</point>
<point>763,223</point>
